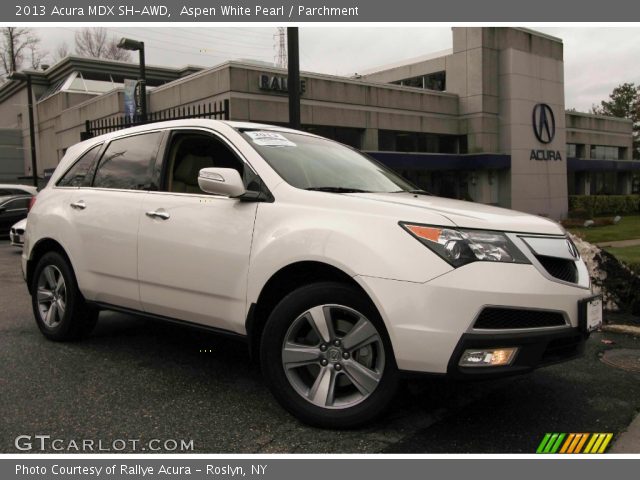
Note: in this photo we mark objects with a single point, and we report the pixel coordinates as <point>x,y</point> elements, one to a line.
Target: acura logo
<point>544,123</point>
<point>573,251</point>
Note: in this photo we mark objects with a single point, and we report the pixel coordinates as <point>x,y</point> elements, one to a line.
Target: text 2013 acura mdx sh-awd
<point>340,275</point>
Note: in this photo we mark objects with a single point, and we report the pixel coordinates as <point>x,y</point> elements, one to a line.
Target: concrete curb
<point>629,440</point>
<point>626,329</point>
<point>619,243</point>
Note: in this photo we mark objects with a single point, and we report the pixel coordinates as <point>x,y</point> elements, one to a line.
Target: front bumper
<point>17,239</point>
<point>535,349</point>
<point>428,323</point>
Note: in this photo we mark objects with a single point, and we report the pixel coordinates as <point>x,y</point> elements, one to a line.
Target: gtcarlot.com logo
<point>43,443</point>
<point>575,443</point>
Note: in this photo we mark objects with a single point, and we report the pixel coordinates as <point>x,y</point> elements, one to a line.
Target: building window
<point>396,141</point>
<point>604,152</point>
<point>575,150</point>
<point>433,81</point>
<point>348,136</point>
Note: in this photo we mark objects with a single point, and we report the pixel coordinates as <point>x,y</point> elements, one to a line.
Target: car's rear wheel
<point>58,306</point>
<point>327,358</point>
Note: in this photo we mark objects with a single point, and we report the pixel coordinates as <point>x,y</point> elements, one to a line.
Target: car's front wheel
<point>327,358</point>
<point>58,306</point>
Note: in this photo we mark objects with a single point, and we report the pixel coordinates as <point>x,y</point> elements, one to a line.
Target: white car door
<point>106,215</point>
<point>193,248</point>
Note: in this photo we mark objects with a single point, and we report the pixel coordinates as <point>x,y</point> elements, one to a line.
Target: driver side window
<point>190,152</point>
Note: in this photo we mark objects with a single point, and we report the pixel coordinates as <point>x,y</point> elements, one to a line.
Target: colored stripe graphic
<point>574,443</point>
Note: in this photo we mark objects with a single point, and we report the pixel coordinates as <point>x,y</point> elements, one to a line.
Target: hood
<point>467,214</point>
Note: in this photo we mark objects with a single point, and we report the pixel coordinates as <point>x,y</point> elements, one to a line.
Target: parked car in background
<point>7,189</point>
<point>16,234</point>
<point>13,209</point>
<point>339,275</point>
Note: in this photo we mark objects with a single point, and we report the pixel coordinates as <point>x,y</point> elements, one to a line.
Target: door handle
<point>158,214</point>
<point>79,205</point>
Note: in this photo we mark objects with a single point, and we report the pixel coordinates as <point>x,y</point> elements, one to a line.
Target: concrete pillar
<point>472,73</point>
<point>370,139</point>
<point>531,75</point>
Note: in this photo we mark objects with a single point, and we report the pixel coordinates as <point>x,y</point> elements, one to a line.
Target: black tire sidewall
<point>77,319</point>
<point>278,323</point>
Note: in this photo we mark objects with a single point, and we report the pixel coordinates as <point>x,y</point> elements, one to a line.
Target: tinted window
<point>78,174</point>
<point>17,204</point>
<point>128,163</point>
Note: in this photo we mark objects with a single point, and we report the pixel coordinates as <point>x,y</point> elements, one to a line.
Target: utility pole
<point>293,81</point>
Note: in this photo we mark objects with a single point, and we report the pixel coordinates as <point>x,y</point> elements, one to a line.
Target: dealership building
<point>484,121</point>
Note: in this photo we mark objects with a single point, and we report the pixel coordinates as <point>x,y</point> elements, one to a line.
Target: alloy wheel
<point>333,356</point>
<point>52,296</point>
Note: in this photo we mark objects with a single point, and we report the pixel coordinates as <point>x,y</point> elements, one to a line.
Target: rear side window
<point>78,174</point>
<point>128,163</point>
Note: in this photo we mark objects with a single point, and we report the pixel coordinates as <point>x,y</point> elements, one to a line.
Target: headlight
<point>460,246</point>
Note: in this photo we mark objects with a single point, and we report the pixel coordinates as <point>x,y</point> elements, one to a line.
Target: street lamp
<point>135,45</point>
<point>25,77</point>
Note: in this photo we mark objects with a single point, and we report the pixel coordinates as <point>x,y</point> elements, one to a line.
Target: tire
<point>59,308</point>
<point>331,379</point>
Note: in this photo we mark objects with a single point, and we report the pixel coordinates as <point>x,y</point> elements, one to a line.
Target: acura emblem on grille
<point>572,249</point>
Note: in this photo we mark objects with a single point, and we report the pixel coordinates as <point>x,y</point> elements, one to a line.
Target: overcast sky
<point>596,58</point>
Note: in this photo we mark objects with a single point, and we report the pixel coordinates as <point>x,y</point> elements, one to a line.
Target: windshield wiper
<point>337,190</point>
<point>415,192</point>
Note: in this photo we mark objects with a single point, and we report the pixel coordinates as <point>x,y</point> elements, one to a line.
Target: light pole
<point>25,77</point>
<point>135,45</point>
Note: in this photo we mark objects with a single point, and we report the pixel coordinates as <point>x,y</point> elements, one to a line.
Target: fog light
<point>494,357</point>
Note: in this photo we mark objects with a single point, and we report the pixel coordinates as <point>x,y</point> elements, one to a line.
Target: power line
<point>222,40</point>
<point>208,33</point>
<point>177,47</point>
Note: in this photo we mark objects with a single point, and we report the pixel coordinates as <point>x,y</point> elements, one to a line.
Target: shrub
<point>589,206</point>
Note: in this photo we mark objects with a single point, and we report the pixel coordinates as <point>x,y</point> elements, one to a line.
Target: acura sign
<point>544,129</point>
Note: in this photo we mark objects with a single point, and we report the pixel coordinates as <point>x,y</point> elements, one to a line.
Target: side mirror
<point>221,181</point>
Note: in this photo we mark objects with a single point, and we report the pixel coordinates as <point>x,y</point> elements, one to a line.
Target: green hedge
<point>589,206</point>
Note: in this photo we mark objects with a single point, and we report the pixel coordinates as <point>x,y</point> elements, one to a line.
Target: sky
<point>597,59</point>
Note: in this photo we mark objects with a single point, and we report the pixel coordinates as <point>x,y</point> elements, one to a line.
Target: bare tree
<point>36,56</point>
<point>61,51</point>
<point>96,43</point>
<point>17,45</point>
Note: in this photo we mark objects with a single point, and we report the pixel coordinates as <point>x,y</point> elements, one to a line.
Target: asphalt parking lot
<point>137,379</point>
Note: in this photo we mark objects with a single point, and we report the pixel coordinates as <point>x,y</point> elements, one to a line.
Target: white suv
<point>339,275</point>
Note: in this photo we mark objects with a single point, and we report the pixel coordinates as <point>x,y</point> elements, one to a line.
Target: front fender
<point>356,243</point>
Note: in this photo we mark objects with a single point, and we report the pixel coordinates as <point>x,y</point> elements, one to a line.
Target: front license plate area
<point>590,313</point>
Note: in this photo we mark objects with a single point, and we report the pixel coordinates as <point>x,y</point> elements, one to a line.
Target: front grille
<point>560,268</point>
<point>496,318</point>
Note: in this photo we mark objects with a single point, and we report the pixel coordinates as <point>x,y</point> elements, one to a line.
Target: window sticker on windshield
<point>270,139</point>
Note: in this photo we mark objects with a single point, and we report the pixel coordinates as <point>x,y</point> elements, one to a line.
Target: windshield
<point>313,163</point>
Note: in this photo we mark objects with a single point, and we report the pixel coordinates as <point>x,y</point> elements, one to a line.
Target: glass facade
<point>433,81</point>
<point>575,150</point>
<point>348,136</point>
<point>604,152</point>
<point>398,141</point>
